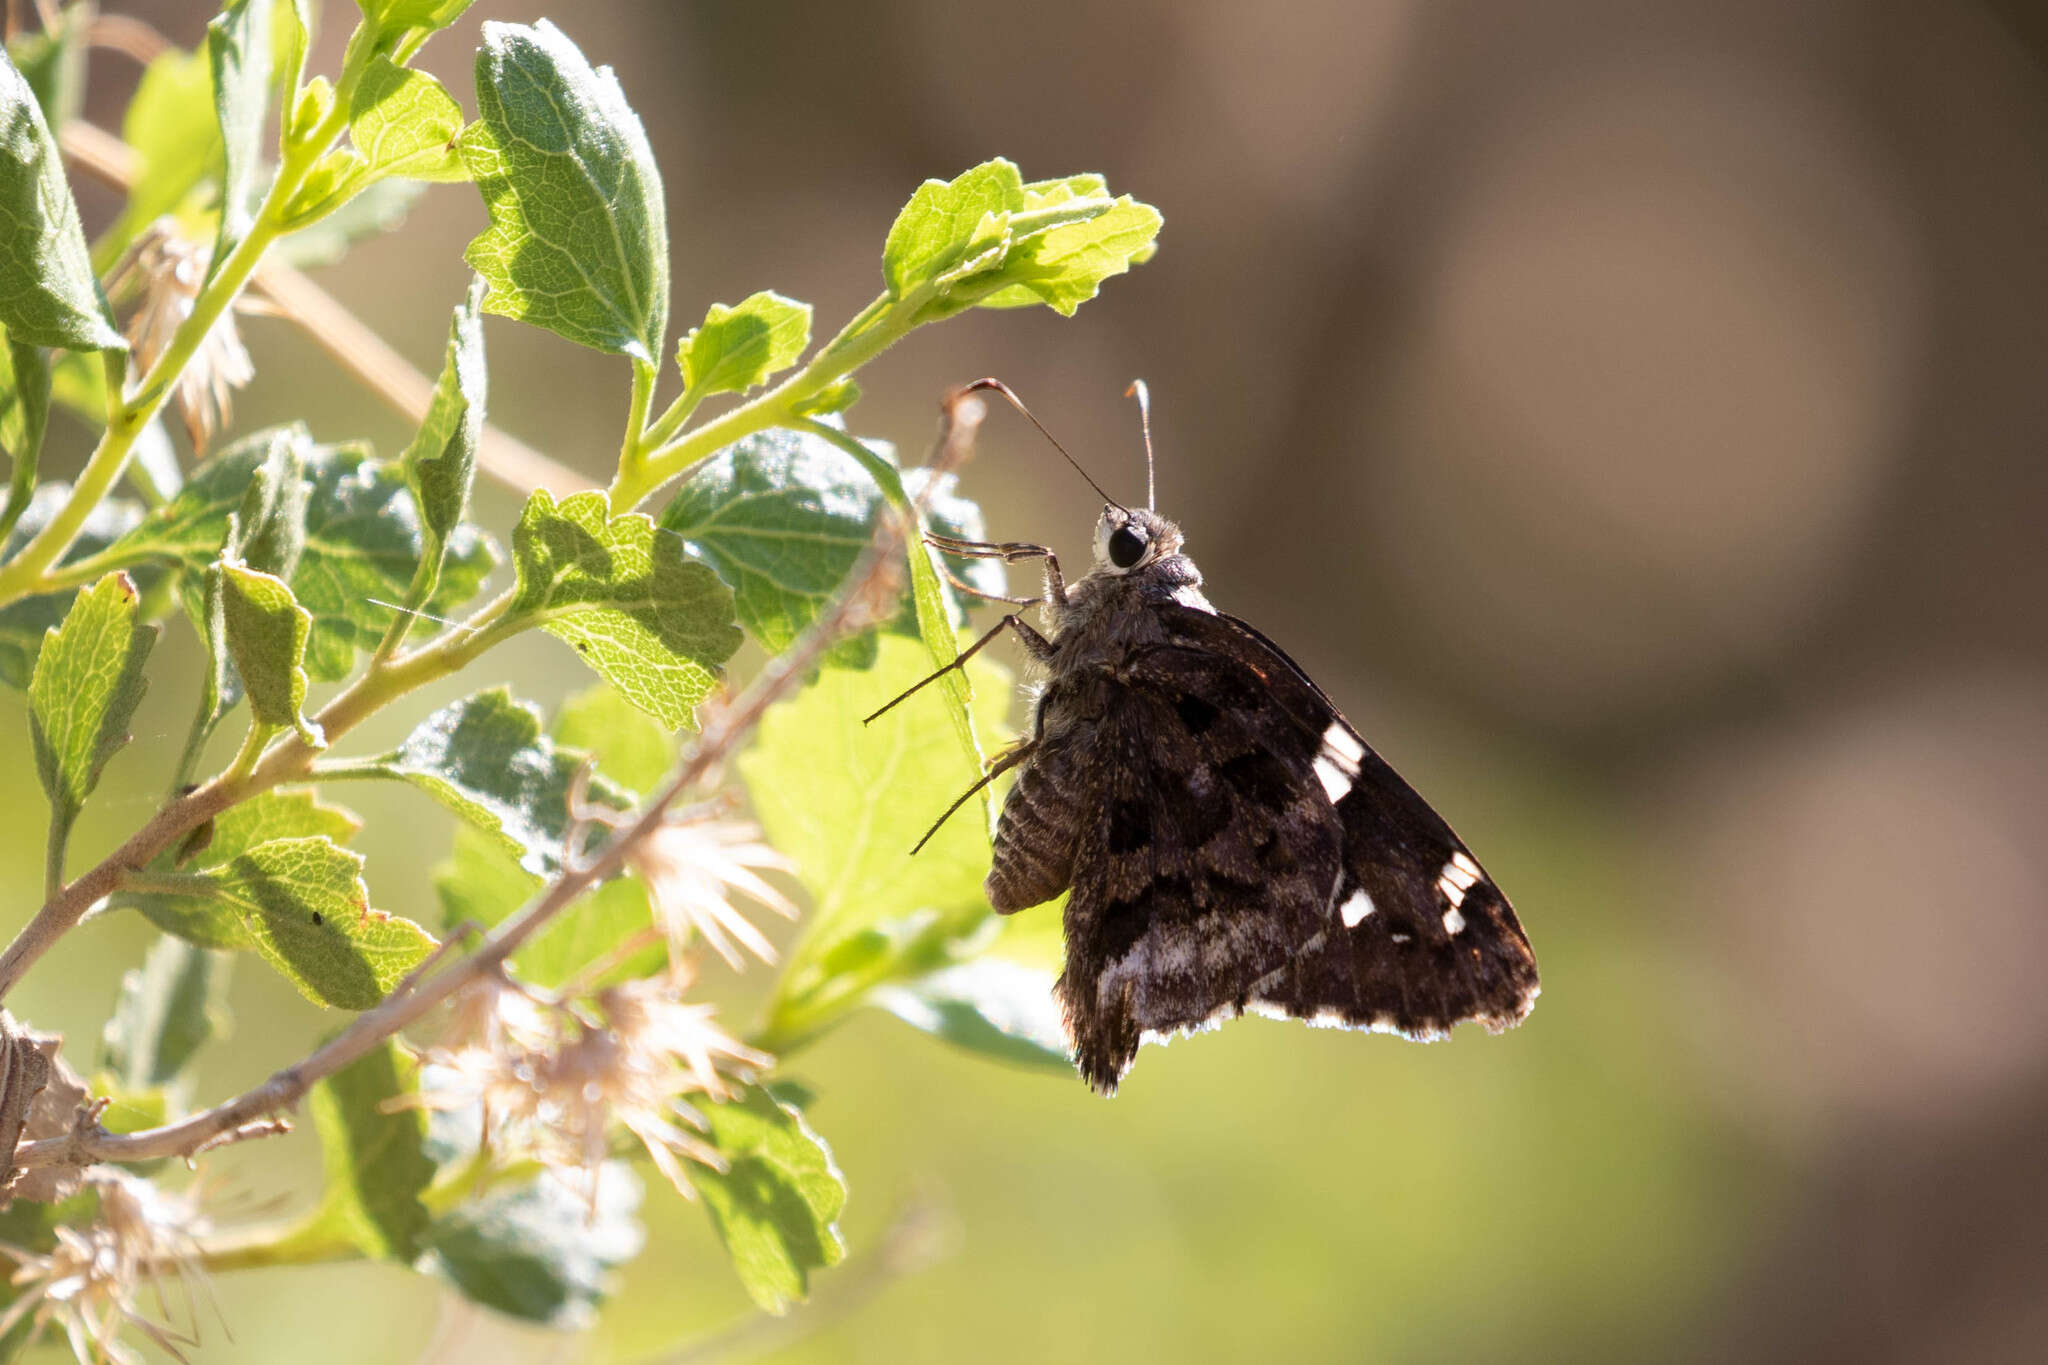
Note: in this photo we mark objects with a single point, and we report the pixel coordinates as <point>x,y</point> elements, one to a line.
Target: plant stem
<point>26,572</point>
<point>287,759</point>
<point>860,605</point>
<point>876,328</point>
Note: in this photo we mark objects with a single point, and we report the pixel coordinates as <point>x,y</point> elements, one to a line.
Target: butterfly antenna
<point>1004,389</point>
<point>1144,397</point>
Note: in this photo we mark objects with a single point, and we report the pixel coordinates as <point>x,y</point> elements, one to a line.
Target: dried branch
<point>864,603</point>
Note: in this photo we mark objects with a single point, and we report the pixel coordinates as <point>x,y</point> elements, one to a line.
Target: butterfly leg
<point>1005,761</point>
<point>1040,647</point>
<point>1010,552</point>
<point>971,591</point>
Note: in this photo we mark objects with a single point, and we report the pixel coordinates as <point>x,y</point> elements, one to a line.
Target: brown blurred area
<point>1649,397</point>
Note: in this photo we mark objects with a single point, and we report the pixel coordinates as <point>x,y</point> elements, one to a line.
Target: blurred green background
<point>1634,415</point>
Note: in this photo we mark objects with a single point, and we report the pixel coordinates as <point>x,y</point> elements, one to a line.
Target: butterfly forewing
<point>1233,844</point>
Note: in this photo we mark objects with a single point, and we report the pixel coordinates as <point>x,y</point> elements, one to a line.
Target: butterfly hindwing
<point>1204,863</point>
<point>1225,830</point>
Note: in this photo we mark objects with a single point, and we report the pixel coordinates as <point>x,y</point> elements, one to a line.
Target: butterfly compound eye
<point>1126,547</point>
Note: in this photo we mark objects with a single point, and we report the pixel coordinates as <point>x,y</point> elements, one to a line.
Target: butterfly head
<point>1131,539</point>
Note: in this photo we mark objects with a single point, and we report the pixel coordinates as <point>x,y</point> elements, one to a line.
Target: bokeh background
<point>1635,415</point>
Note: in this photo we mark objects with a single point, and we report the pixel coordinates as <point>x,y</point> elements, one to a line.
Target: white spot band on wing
<point>1356,909</point>
<point>1337,764</point>
<point>1460,875</point>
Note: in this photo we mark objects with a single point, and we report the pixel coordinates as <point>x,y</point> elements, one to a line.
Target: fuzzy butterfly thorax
<point>1229,842</point>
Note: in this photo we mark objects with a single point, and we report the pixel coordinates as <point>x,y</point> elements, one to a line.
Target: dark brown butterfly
<point>1230,842</point>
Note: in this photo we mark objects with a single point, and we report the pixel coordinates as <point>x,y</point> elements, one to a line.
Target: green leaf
<point>238,52</point>
<point>932,602</point>
<point>739,347</point>
<point>49,295</point>
<point>390,18</point>
<point>440,464</point>
<point>363,542</point>
<point>88,681</point>
<point>987,238</point>
<point>170,1007</point>
<point>540,1251</point>
<point>653,623</point>
<point>630,747</point>
<point>193,526</point>
<point>300,904</point>
<point>987,1005</point>
<point>776,1206</point>
<point>374,1149</point>
<point>783,516</point>
<point>483,883</point>
<point>25,623</point>
<point>847,802</point>
<point>1064,267</point>
<point>578,240</point>
<point>268,533</point>
<point>172,125</point>
<point>948,513</point>
<point>271,815</point>
<point>266,635</point>
<point>24,415</point>
<point>404,123</point>
<point>947,222</point>
<point>220,686</point>
<point>485,759</point>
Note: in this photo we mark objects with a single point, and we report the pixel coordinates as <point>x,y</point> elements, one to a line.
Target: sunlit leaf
<point>24,415</point>
<point>486,759</point>
<point>393,17</point>
<point>404,123</point>
<point>373,1147</point>
<point>652,622</point>
<point>173,127</point>
<point>169,1008</point>
<point>481,883</point>
<point>540,1251</point>
<point>630,746</point>
<point>25,623</point>
<point>738,347</point>
<point>1065,266</point>
<point>363,541</point>
<point>238,52</point>
<point>776,1207</point>
<point>266,638</point>
<point>49,295</point>
<point>88,681</point>
<point>440,464</point>
<point>783,516</point>
<point>848,801</point>
<point>300,904</point>
<point>578,241</point>
<point>277,814</point>
<point>948,221</point>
